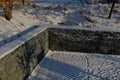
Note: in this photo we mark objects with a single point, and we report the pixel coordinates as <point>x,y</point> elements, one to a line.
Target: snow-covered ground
<point>67,65</point>
<point>20,22</point>
<point>90,16</point>
<point>53,12</point>
<point>59,65</point>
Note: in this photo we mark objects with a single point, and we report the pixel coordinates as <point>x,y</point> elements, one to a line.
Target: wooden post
<point>110,14</point>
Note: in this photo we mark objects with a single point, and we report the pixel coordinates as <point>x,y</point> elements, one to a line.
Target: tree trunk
<point>20,3</point>
<point>110,14</point>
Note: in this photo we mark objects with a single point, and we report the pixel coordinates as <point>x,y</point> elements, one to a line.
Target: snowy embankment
<point>39,12</point>
<point>19,23</point>
<point>88,16</point>
<point>59,65</point>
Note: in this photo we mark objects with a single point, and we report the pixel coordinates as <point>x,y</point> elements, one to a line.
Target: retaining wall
<point>84,41</point>
<point>19,62</point>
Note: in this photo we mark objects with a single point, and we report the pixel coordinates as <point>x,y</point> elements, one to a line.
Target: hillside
<point>47,12</point>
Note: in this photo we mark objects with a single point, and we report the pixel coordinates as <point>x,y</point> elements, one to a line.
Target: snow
<point>60,65</point>
<point>88,16</point>
<point>52,12</point>
<point>19,23</point>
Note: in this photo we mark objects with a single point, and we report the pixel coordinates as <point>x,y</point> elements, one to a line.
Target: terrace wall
<point>84,41</point>
<point>20,62</point>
